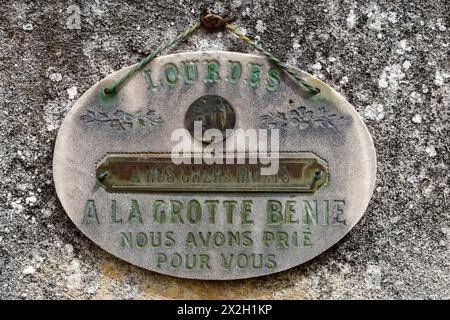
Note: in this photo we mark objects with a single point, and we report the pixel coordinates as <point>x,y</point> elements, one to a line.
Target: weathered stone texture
<point>389,58</point>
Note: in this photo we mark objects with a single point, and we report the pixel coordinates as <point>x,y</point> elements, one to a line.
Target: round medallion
<point>210,112</point>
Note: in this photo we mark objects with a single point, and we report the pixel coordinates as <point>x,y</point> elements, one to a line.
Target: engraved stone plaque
<point>217,211</point>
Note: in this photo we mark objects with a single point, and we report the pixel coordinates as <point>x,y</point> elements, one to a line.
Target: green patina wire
<point>182,36</point>
<point>273,59</point>
<point>212,22</point>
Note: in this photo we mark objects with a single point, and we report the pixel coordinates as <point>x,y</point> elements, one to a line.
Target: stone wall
<point>390,59</point>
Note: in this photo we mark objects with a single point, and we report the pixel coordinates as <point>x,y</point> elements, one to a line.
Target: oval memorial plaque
<point>214,165</point>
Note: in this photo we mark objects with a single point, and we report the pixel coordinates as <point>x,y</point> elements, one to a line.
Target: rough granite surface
<point>390,59</point>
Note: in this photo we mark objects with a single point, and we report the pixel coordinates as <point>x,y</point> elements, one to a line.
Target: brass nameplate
<point>151,172</point>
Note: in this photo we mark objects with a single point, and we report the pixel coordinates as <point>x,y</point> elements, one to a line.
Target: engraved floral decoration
<point>121,120</point>
<point>302,118</point>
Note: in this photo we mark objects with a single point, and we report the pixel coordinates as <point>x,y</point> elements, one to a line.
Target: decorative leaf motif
<point>302,118</point>
<point>121,120</point>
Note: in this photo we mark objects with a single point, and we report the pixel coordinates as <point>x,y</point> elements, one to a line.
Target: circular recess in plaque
<point>210,112</point>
